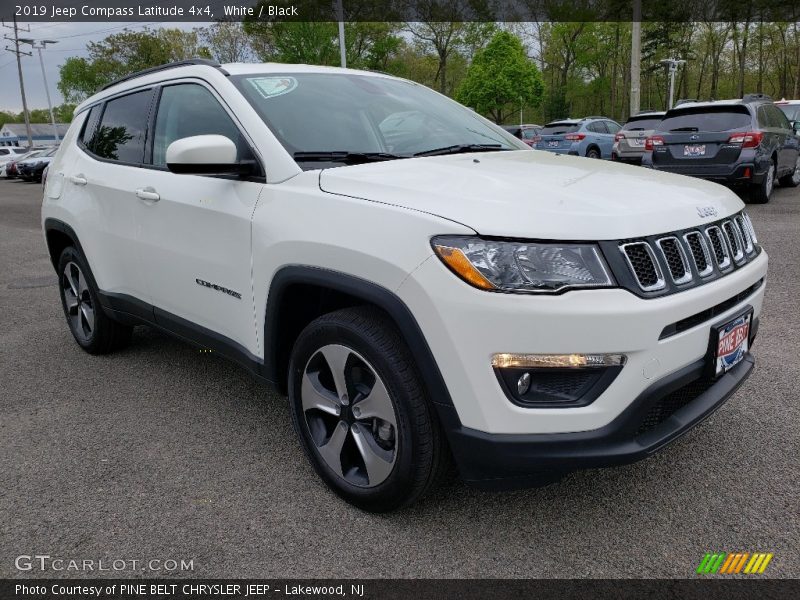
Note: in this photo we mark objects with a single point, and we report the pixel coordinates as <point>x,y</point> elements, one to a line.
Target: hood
<point>538,195</point>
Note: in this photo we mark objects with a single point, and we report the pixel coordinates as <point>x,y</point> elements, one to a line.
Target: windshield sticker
<point>270,87</point>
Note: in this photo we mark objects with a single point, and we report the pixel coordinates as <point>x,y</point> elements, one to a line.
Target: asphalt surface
<point>162,452</point>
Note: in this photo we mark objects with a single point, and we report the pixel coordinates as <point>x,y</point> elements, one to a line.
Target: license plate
<point>732,341</point>
<point>636,142</point>
<point>694,150</point>
<point>553,144</point>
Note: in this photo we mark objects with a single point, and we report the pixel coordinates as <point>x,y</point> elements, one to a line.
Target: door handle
<point>78,179</point>
<point>148,193</point>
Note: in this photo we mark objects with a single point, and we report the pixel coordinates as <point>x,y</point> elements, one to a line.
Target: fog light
<point>524,384</point>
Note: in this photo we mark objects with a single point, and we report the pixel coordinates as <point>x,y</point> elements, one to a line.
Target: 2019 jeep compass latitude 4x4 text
<point>422,285</point>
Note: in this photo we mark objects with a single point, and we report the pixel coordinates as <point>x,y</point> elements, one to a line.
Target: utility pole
<point>636,57</point>
<point>19,53</point>
<point>340,16</point>
<point>42,45</point>
<point>672,64</point>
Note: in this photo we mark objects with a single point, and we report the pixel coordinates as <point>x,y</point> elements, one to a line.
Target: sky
<point>72,39</point>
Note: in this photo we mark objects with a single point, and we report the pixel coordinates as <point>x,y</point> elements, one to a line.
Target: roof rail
<point>172,65</point>
<point>593,117</point>
<point>755,98</point>
<point>685,101</point>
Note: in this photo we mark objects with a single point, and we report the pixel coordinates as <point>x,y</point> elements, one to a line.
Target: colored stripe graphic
<point>731,563</point>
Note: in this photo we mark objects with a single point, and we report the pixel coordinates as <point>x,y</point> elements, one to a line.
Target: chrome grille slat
<point>719,247</point>
<point>734,240</point>
<point>700,253</point>
<point>744,231</point>
<point>675,257</point>
<point>644,266</point>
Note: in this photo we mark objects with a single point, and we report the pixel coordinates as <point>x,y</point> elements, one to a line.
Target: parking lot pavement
<point>162,452</point>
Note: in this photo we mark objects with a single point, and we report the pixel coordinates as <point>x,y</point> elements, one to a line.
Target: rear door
<point>105,174</point>
<point>786,140</point>
<point>698,136</point>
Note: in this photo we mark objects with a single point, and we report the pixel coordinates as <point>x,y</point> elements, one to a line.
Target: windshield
<point>706,119</point>
<point>642,124</point>
<point>317,113</point>
<point>558,128</point>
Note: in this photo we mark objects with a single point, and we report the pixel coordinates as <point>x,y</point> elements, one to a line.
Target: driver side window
<point>189,109</point>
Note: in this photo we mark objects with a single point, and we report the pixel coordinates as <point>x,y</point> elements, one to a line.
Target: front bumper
<point>496,461</point>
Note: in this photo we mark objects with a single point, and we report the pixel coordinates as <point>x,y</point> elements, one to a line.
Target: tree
<point>123,53</point>
<point>227,42</point>
<point>501,79</point>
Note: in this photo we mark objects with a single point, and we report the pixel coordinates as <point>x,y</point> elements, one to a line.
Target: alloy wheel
<point>349,415</point>
<point>770,179</point>
<point>78,301</point>
<point>796,174</point>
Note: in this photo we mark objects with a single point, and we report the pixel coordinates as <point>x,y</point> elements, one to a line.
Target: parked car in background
<point>592,137</point>
<point>31,169</point>
<point>746,143</point>
<point>630,140</point>
<point>527,133</point>
<point>8,153</point>
<point>791,108</point>
<point>10,167</point>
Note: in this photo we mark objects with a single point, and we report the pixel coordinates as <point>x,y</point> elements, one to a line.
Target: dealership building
<point>14,134</point>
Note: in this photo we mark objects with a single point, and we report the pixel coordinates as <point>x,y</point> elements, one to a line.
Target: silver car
<point>629,141</point>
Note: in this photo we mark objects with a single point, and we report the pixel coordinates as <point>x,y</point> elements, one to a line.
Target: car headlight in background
<point>523,266</point>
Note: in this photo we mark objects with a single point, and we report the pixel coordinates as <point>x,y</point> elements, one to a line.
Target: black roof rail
<point>755,98</point>
<point>172,65</point>
<point>593,117</point>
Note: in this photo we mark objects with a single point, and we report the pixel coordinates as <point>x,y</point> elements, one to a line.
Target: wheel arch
<point>593,146</point>
<point>299,294</point>
<point>58,236</point>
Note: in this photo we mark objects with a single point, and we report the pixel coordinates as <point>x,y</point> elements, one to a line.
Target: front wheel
<point>361,413</point>
<point>760,192</point>
<point>793,178</point>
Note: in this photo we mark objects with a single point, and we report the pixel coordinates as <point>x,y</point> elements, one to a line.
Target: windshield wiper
<point>342,156</point>
<point>460,149</point>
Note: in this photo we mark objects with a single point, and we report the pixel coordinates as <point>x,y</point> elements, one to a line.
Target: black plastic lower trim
<point>508,461</point>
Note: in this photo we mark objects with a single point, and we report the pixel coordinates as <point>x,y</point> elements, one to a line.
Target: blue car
<point>591,136</point>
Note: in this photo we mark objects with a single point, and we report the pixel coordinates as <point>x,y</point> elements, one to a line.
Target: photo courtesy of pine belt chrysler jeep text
<point>424,287</point>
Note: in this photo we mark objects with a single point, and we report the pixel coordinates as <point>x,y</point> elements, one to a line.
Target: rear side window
<point>559,128</point>
<point>777,118</point>
<point>90,126</point>
<point>189,109</point>
<point>642,124</point>
<point>706,119</point>
<point>597,127</point>
<point>123,127</point>
<point>4,152</point>
<point>612,126</point>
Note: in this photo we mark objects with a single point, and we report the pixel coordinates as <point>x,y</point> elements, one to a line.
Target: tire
<point>792,179</point>
<point>386,458</point>
<point>92,329</point>
<point>761,192</point>
<point>593,153</point>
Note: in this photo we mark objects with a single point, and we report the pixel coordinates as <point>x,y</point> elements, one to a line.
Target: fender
<point>366,291</point>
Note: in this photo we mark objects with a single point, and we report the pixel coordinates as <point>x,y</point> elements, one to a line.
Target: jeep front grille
<point>690,257</point>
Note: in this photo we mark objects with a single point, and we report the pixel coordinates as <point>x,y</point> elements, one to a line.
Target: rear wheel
<point>360,411</point>
<point>593,153</point>
<point>761,192</point>
<point>94,331</point>
<point>793,178</point>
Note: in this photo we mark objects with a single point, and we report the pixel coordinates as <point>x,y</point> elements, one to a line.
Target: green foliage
<point>501,79</point>
<point>123,53</point>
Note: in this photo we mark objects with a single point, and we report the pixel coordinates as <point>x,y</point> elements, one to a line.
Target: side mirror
<point>796,126</point>
<point>206,155</point>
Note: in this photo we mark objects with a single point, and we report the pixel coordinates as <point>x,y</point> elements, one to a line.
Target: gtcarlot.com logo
<point>733,563</point>
<point>45,562</point>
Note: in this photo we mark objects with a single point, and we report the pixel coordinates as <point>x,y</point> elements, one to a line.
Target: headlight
<point>523,266</point>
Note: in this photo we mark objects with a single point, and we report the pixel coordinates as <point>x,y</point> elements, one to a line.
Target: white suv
<point>421,284</point>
